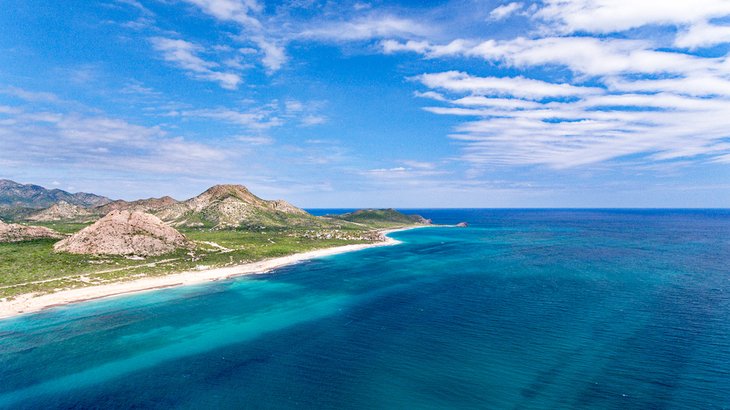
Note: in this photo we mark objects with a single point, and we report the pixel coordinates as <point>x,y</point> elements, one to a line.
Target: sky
<point>410,104</point>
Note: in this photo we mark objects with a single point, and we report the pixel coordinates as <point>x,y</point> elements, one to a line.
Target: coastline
<point>30,302</point>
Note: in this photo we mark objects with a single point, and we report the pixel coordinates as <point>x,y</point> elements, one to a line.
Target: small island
<point>84,246</point>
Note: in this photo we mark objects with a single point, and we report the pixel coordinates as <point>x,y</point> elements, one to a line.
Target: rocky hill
<point>62,211</point>
<point>228,206</point>
<point>13,194</point>
<point>150,205</point>
<point>17,232</point>
<point>124,233</point>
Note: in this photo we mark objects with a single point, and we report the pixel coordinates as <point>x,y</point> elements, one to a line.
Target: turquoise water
<point>523,309</point>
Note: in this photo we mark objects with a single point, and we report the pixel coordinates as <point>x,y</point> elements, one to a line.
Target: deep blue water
<point>523,309</point>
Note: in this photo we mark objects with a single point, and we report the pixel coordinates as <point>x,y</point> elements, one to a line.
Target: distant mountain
<point>232,206</point>
<point>15,195</point>
<point>219,207</point>
<point>381,218</point>
<point>63,211</point>
<point>144,205</point>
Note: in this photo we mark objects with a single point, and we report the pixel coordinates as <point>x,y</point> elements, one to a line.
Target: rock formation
<point>17,232</point>
<point>62,211</point>
<point>124,233</point>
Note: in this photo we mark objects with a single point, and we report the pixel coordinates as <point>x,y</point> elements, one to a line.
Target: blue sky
<point>558,103</point>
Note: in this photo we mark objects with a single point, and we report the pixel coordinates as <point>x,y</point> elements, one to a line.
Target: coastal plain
<point>225,231</point>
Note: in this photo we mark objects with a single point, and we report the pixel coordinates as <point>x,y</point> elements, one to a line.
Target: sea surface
<point>524,309</point>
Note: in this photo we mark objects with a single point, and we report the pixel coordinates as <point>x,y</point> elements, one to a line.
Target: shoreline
<point>30,302</point>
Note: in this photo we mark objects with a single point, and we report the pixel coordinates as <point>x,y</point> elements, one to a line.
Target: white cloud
<point>30,96</point>
<point>137,5</point>
<point>255,139</point>
<point>429,94</point>
<point>273,114</point>
<point>94,142</point>
<point>481,101</point>
<point>247,14</point>
<point>184,54</point>
<point>504,11</point>
<point>413,173</point>
<point>520,87</point>
<point>257,119</point>
<point>293,106</point>
<point>599,97</point>
<point>311,120</point>
<point>274,55</point>
<point>365,28</point>
<point>103,130</point>
<point>387,170</point>
<point>582,55</point>
<point>609,16</point>
<point>239,11</point>
<point>591,129</point>
<point>589,56</point>
<point>392,46</point>
<point>703,35</point>
<point>419,164</point>
<point>697,85</point>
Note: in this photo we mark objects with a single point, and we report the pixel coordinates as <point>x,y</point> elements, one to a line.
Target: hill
<point>62,211</point>
<point>17,232</point>
<point>381,218</point>
<point>15,195</point>
<point>150,205</point>
<point>233,206</point>
<point>124,233</point>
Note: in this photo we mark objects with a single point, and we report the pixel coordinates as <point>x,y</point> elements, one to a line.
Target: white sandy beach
<point>31,302</point>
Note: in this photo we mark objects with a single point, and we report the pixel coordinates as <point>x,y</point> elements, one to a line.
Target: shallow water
<point>523,309</point>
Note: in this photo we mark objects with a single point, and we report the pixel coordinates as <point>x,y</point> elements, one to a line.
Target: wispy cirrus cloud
<point>582,55</point>
<point>639,97</point>
<point>256,119</point>
<point>366,28</point>
<point>99,142</point>
<point>591,129</point>
<point>261,117</point>
<point>239,11</point>
<point>184,54</point>
<point>247,14</point>
<point>505,10</point>
<point>521,87</point>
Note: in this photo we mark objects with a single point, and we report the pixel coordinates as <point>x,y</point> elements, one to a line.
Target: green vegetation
<point>62,227</point>
<point>14,214</point>
<point>380,218</point>
<point>254,219</point>
<point>33,266</point>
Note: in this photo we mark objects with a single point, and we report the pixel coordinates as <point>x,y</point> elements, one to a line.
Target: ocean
<point>524,309</point>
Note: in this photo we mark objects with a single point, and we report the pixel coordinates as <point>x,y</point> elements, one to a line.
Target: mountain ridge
<point>14,194</point>
<point>231,206</point>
